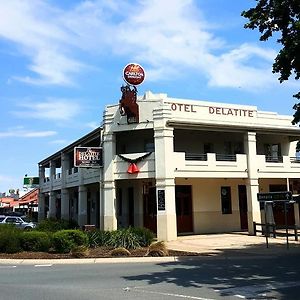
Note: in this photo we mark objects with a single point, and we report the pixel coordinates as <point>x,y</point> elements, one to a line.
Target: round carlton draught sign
<point>133,74</point>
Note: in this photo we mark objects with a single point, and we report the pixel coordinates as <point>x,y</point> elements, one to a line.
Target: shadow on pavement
<point>254,272</point>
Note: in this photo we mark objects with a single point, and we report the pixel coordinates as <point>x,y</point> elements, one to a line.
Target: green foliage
<point>282,17</point>
<point>65,240</point>
<point>124,238</point>
<point>98,238</point>
<point>10,239</point>
<point>53,225</point>
<point>35,241</point>
<point>144,235</point>
<point>80,251</point>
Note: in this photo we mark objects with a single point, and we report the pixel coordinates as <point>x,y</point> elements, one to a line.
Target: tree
<point>282,17</point>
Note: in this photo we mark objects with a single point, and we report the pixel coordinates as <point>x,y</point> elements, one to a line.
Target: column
<point>65,165</point>
<point>52,205</point>
<point>82,205</point>
<point>41,174</point>
<point>296,214</point>
<point>109,205</point>
<point>164,174</point>
<point>65,204</point>
<point>254,214</point>
<point>41,212</point>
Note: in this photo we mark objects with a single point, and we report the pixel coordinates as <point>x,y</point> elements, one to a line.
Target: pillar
<point>254,214</point>
<point>109,190</point>
<point>52,205</point>
<point>164,175</point>
<point>65,204</point>
<point>82,205</point>
<point>41,211</point>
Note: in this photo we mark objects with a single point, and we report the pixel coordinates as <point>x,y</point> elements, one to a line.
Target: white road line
<point>251,291</point>
<point>172,295</point>
<point>45,265</point>
<point>7,267</point>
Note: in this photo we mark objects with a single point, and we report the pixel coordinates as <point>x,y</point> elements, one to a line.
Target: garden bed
<point>93,253</point>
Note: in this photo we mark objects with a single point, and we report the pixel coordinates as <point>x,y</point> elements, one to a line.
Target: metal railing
<point>225,157</point>
<point>274,231</point>
<point>195,156</point>
<point>277,159</point>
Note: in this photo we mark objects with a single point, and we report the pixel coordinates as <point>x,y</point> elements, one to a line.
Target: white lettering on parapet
<point>237,112</point>
<point>182,107</point>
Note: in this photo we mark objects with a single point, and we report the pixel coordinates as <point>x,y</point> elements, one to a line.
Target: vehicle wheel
<point>27,228</point>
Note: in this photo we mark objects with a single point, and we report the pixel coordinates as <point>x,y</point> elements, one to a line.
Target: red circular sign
<point>134,74</point>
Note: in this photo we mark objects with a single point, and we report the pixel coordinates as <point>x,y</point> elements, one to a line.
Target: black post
<point>286,226</point>
<point>266,225</point>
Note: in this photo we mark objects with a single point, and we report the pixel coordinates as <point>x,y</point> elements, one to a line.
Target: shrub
<point>10,239</point>
<point>120,252</point>
<point>80,251</point>
<point>158,249</point>
<point>53,225</point>
<point>35,241</point>
<point>98,238</point>
<point>65,240</point>
<point>124,238</point>
<point>144,235</point>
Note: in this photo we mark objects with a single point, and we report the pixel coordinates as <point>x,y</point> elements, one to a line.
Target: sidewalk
<point>239,243</point>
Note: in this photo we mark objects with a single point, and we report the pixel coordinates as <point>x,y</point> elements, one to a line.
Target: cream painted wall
<point>207,214</point>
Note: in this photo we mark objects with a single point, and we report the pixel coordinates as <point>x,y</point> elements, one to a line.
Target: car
<point>19,222</point>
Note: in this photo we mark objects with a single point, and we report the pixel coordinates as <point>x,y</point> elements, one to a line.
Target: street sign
<point>275,196</point>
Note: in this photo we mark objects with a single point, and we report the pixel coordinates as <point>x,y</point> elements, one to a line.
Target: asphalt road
<point>202,278</point>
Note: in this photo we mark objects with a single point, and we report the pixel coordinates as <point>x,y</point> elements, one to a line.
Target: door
<point>243,207</point>
<point>184,210</point>
<point>130,207</point>
<point>150,211</point>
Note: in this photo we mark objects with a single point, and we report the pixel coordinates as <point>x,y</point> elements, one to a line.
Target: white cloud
<point>169,37</point>
<point>53,109</point>
<point>19,132</point>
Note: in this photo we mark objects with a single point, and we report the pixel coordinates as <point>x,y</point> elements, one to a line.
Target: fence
<point>274,231</point>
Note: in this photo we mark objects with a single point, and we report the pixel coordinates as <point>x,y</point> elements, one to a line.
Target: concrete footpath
<point>208,245</point>
<point>239,243</point>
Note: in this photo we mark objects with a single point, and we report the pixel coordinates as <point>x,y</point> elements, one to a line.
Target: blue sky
<point>61,63</point>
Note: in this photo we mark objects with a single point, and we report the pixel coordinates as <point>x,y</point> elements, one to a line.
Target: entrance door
<point>184,210</point>
<point>278,208</point>
<point>243,207</point>
<point>150,211</point>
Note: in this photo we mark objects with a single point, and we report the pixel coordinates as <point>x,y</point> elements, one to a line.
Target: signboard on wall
<point>89,157</point>
<point>275,196</point>
<point>161,200</point>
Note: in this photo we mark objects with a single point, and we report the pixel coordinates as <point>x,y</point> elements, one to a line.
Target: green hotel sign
<point>31,181</point>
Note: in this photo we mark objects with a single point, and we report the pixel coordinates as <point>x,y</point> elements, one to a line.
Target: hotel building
<point>182,167</point>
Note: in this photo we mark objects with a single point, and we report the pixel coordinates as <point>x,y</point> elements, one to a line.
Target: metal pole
<point>286,226</point>
<point>266,226</point>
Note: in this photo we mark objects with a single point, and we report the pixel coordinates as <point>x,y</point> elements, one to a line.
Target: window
<point>2,218</point>
<point>226,200</point>
<point>273,152</point>
<point>149,145</point>
<point>208,148</point>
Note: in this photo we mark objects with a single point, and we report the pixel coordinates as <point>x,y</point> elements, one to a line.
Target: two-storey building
<point>198,167</point>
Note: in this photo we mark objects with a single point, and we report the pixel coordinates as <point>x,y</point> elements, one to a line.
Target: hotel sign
<point>89,157</point>
<point>133,74</point>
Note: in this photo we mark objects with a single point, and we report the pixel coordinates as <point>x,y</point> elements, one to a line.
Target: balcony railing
<point>295,160</point>
<point>195,156</point>
<point>225,157</point>
<point>274,159</point>
<point>203,157</point>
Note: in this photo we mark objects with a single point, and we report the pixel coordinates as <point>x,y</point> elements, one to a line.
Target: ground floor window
<point>226,200</point>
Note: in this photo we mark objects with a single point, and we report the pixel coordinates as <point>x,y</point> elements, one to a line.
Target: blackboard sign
<point>275,196</point>
<point>161,200</point>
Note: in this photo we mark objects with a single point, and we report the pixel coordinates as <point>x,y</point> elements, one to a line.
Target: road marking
<point>251,291</point>
<point>7,267</point>
<point>170,294</point>
<point>44,265</point>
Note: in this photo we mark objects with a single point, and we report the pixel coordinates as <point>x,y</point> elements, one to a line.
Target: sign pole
<point>266,229</point>
<point>286,226</point>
